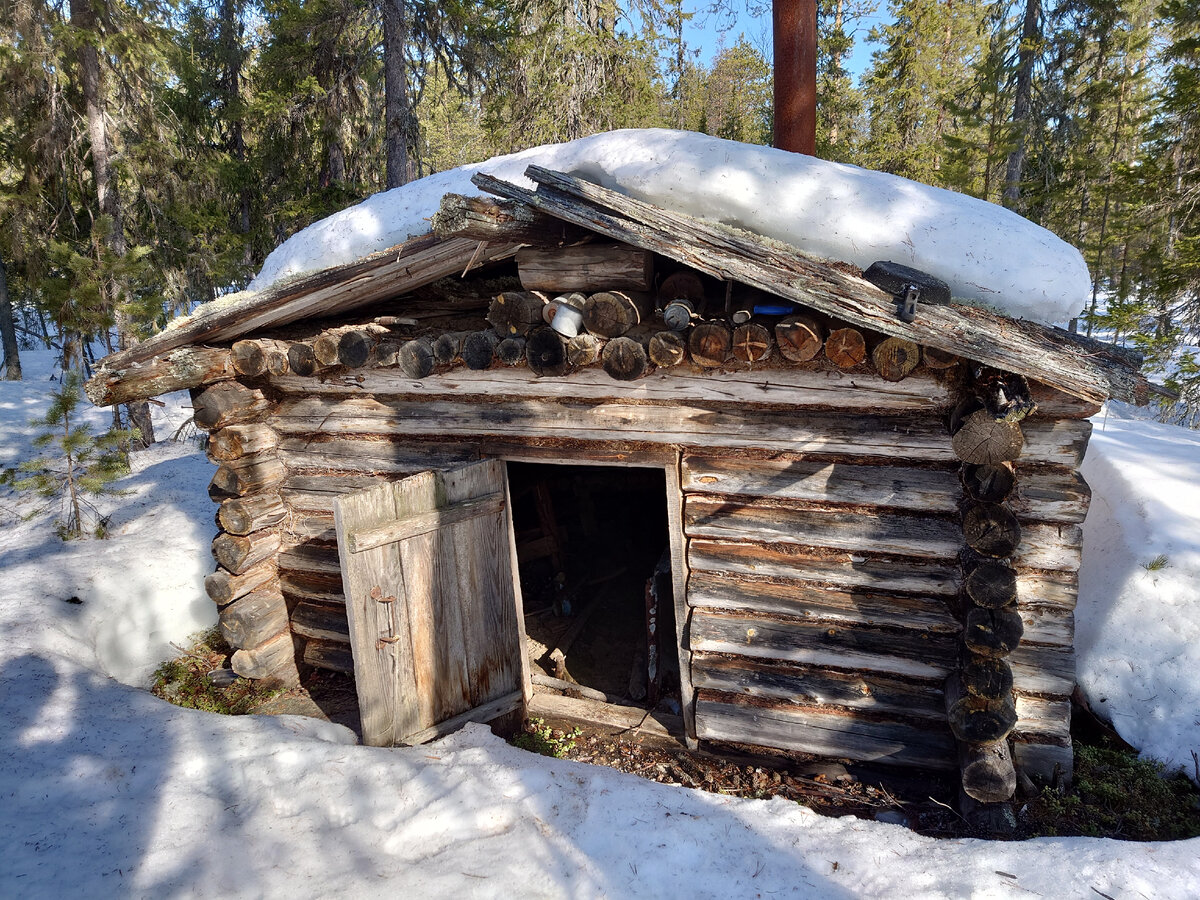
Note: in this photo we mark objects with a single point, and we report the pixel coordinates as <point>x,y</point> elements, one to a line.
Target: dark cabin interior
<point>590,540</point>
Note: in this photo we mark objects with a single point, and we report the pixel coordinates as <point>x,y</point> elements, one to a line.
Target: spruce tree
<point>78,466</point>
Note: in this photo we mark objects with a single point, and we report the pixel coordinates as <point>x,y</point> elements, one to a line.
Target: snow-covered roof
<point>986,253</point>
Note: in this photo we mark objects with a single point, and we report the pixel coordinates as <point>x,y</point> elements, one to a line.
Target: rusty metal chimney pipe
<point>795,39</point>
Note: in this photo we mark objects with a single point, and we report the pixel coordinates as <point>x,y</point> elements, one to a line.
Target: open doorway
<point>594,564</point>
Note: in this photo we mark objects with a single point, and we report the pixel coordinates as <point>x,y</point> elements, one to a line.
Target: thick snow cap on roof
<point>984,252</point>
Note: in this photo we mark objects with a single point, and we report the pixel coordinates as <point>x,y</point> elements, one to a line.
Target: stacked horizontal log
<point>1008,701</point>
<point>818,596</point>
<point>254,616</point>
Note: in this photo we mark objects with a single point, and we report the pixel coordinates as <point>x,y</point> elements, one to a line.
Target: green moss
<point>184,680</point>
<point>1118,795</point>
<point>538,737</point>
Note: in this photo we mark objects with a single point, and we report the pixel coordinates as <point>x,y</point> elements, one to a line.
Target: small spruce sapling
<point>78,464</point>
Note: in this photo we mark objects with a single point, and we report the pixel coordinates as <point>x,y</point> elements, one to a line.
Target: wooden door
<point>435,622</point>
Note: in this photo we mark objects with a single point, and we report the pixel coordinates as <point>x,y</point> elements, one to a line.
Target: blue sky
<point>704,32</point>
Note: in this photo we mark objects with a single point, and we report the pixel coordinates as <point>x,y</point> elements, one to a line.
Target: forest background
<point>152,152</point>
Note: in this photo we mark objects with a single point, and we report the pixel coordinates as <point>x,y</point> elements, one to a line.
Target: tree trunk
<point>1030,35</point>
<point>108,199</point>
<point>397,110</point>
<point>8,331</point>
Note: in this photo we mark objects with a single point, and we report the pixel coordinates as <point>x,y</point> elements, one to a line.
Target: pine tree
<point>80,465</point>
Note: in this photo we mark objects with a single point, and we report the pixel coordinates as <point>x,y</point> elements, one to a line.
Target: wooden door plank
<point>424,522</point>
<point>383,669</point>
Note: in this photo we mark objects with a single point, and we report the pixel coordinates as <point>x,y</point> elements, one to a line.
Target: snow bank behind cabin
<point>986,253</point>
<point>1138,620</point>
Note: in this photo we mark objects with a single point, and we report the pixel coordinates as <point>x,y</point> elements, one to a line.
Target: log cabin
<point>859,503</point>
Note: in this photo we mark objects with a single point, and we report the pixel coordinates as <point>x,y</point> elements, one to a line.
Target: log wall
<point>819,519</point>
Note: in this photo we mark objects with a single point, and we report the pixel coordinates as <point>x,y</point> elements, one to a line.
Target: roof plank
<point>331,291</point>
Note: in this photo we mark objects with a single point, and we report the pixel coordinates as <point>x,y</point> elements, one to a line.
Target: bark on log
<point>447,347</point>
<point>624,359</point>
<point>239,553</point>
<point>254,618</point>
<point>511,351</point>
<point>273,661</point>
<point>800,338</point>
<point>991,820</point>
<point>516,312</point>
<point>243,515</point>
<point>504,221</point>
<point>938,359</point>
<point>751,343</point>
<point>846,347</point>
<point>667,349</point>
<point>227,403</point>
<point>187,367</point>
<point>984,441</point>
<point>987,771</point>
<point>989,483</point>
<point>224,587</point>
<point>479,349</point>
<point>332,655</point>
<point>415,358</point>
<point>993,632</point>
<point>254,358</point>
<point>986,677</point>
<point>992,585</point>
<point>586,267</point>
<point>237,441</point>
<point>249,475</point>
<point>546,351</point>
<point>709,344</point>
<point>612,313</point>
<point>976,720</point>
<point>302,360</point>
<point>583,350</point>
<point>991,530</point>
<point>895,358</point>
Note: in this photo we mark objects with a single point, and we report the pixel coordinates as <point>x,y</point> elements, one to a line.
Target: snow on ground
<point>984,252</point>
<point>106,791</point>
<point>1138,622</point>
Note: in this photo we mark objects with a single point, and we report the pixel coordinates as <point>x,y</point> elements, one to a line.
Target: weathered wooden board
<point>766,387</point>
<point>926,490</point>
<point>577,423</point>
<point>332,655</point>
<point>585,267</point>
<point>1044,761</point>
<point>338,289</point>
<point>826,604</point>
<point>825,731</point>
<point>376,455</point>
<point>842,568</point>
<point>434,620</point>
<point>679,581</point>
<point>898,651</point>
<point>1043,669</point>
<point>317,620</point>
<point>815,526</point>
<point>1050,495</point>
<point>812,686</point>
